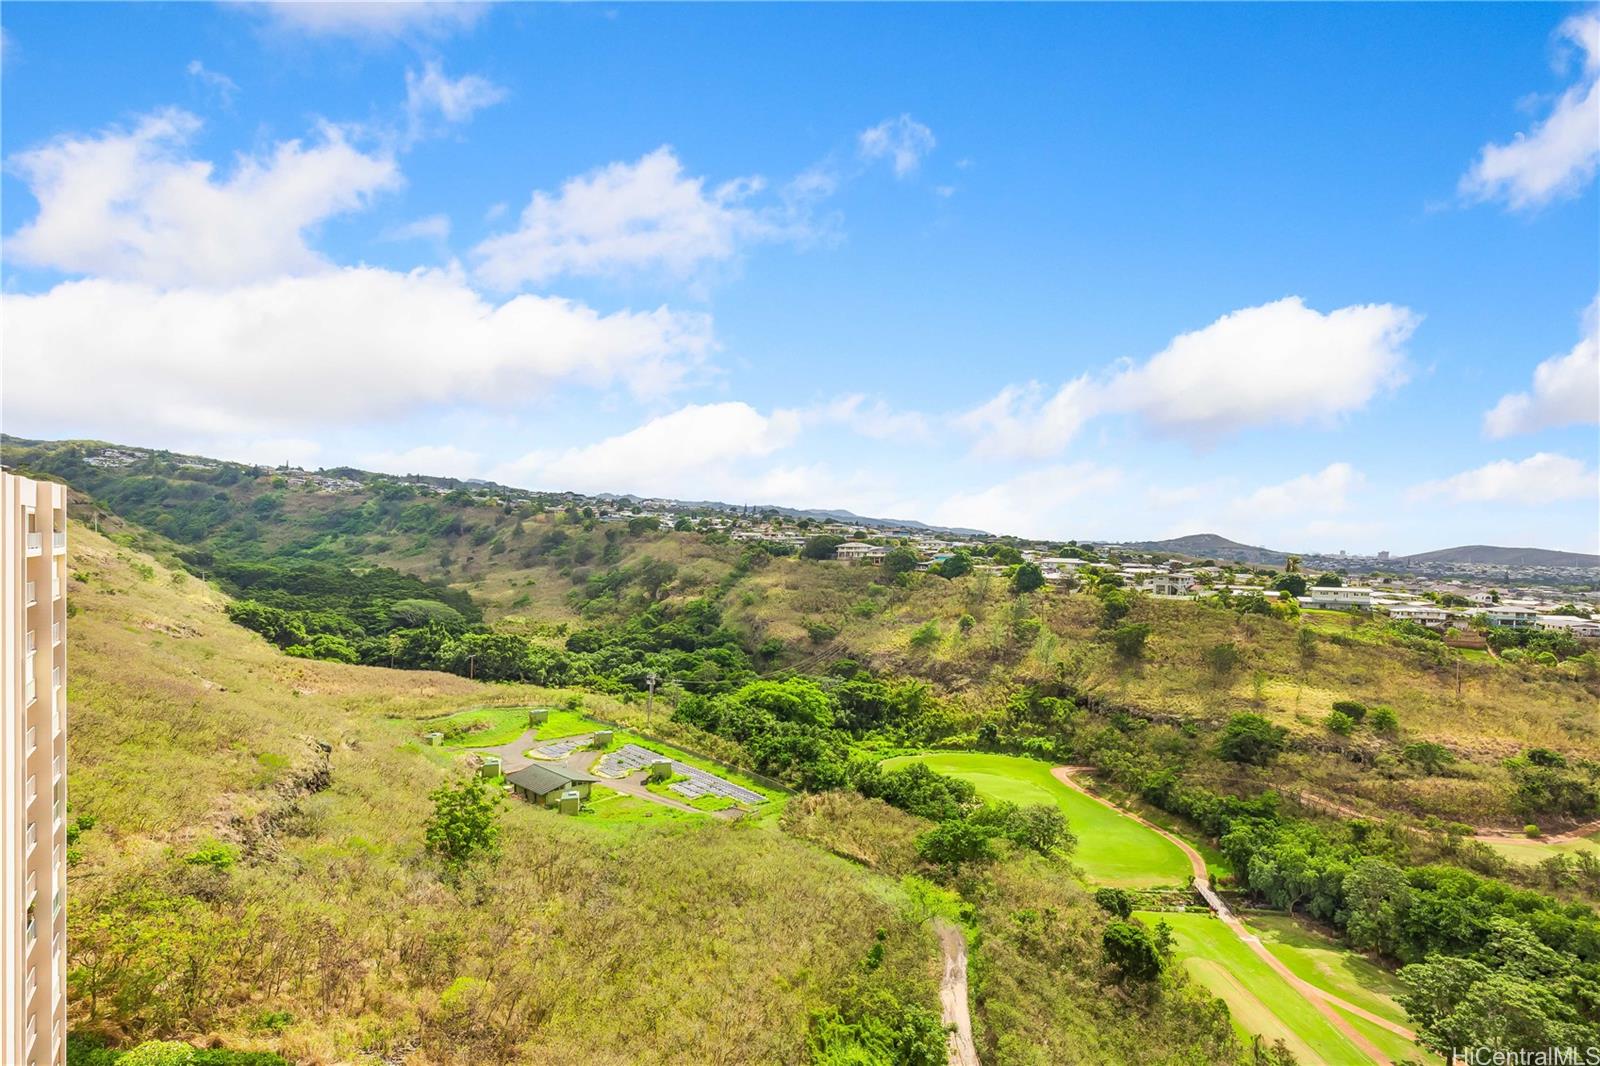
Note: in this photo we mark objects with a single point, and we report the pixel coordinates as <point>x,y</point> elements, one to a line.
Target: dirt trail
<point>953,994</point>
<point>1324,1002</point>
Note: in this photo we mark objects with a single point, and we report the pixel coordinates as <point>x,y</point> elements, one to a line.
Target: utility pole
<point>472,666</point>
<point>650,701</point>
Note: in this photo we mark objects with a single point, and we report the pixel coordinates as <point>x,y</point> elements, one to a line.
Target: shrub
<point>1251,739</point>
<point>1352,709</point>
<point>1115,901</point>
<point>1224,658</point>
<point>1384,720</point>
<point>1129,639</point>
<point>1531,831</point>
<point>1340,723</point>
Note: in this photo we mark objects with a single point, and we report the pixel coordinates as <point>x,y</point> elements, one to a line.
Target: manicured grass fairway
<point>1112,849</point>
<point>1321,962</point>
<point>1259,1000</point>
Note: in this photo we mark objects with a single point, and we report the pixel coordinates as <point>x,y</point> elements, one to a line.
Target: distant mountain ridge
<point>1489,555</point>
<point>1211,546</point>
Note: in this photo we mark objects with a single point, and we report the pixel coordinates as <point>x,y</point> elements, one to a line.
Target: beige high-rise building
<point>33,773</point>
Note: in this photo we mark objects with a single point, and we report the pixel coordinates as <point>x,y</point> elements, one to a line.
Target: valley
<point>314,683</point>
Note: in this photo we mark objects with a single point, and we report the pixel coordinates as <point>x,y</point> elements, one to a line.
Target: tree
<point>1251,739</point>
<point>1376,900</point>
<point>1040,827</point>
<point>955,842</point>
<point>1293,584</point>
<point>1223,658</point>
<point>465,825</point>
<point>1028,578</point>
<point>1115,901</point>
<point>1129,639</point>
<point>902,559</point>
<point>820,546</point>
<point>1329,581</point>
<point>1114,604</point>
<point>1131,951</point>
<point>957,565</point>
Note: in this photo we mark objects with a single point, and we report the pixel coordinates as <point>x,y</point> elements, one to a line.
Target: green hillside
<point>263,658</point>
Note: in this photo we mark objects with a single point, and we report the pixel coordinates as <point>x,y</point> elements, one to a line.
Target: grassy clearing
<point>481,727</point>
<point>1112,848</point>
<point>1260,1001</point>
<point>1529,852</point>
<point>614,808</point>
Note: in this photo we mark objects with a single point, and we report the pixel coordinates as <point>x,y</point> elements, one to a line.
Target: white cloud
<point>1538,479</point>
<point>1566,389</point>
<point>374,21</point>
<point>433,460</point>
<point>695,449</point>
<point>1559,155</point>
<point>224,86</point>
<point>1020,421</point>
<point>1279,363</point>
<point>1327,490</point>
<point>628,217</point>
<point>429,228</point>
<point>1048,501</point>
<point>329,350</point>
<point>904,141</point>
<point>134,205</point>
<point>1282,362</point>
<point>875,420</point>
<point>435,95</point>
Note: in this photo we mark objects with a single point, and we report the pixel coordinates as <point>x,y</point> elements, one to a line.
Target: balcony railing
<point>60,766</point>
<point>32,837</point>
<point>33,983</point>
<point>32,932</point>
<point>33,593</point>
<point>33,888</point>
<point>33,732</point>
<point>30,690</point>
<point>59,543</point>
<point>55,633</point>
<point>55,677</point>
<point>35,543</point>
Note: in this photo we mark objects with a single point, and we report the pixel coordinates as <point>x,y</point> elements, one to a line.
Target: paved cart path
<point>953,994</point>
<point>1324,1002</point>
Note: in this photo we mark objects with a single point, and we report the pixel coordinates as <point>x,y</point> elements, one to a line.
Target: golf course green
<point>1112,849</point>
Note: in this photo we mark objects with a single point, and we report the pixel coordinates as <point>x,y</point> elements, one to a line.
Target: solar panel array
<point>559,749</point>
<point>630,757</point>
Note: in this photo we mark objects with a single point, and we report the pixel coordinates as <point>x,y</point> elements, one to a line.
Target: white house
<point>1179,584</point>
<point>1587,628</point>
<point>1338,598</point>
<point>1427,614</point>
<point>854,551</point>
<point>1511,616</point>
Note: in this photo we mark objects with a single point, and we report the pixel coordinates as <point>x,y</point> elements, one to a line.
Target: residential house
<point>1426,614</point>
<point>1586,628</point>
<point>1338,598</point>
<point>855,551</point>
<point>1511,616</point>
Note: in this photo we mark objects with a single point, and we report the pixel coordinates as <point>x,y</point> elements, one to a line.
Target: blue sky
<point>1321,277</point>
